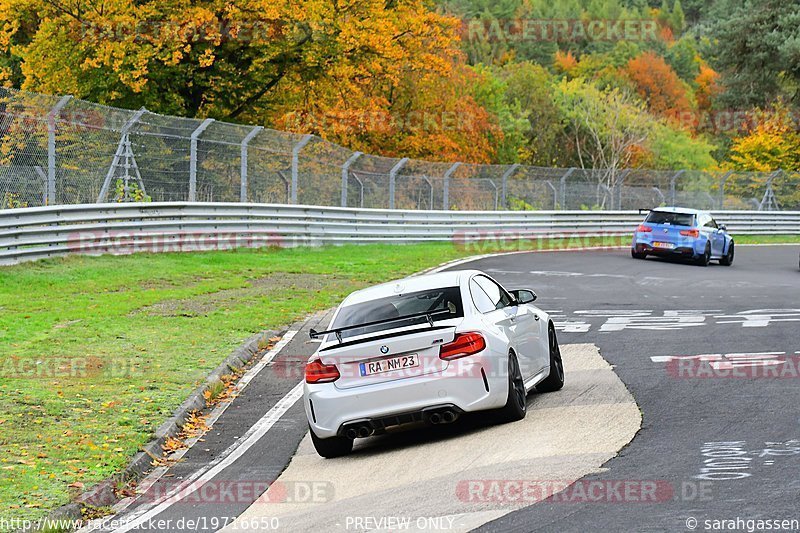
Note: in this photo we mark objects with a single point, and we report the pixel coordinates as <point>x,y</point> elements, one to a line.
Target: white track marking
<point>234,452</point>
<point>156,474</point>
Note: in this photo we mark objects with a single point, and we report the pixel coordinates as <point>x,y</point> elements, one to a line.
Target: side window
<point>482,301</point>
<point>496,293</point>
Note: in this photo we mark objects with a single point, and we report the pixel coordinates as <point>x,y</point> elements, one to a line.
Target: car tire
<point>516,403</point>
<point>705,259</point>
<point>727,259</point>
<point>555,380</point>
<point>638,255</point>
<point>331,447</point>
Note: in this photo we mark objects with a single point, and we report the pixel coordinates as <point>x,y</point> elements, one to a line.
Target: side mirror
<point>524,296</point>
<point>723,227</point>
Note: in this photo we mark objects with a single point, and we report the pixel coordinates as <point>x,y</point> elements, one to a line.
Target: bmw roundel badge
<point>384,349</point>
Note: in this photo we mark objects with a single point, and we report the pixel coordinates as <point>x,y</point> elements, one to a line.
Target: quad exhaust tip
<point>435,416</point>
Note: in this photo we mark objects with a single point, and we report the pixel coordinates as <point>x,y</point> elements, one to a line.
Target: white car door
<point>517,322</point>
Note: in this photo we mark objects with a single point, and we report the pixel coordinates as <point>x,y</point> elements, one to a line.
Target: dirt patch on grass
<point>203,304</point>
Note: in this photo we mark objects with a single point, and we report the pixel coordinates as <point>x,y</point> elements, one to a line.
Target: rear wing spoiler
<point>314,334</point>
<point>642,211</point>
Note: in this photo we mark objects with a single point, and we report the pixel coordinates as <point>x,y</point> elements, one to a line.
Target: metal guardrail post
<point>243,170</point>
<point>446,192</point>
<point>563,186</point>
<point>722,181</point>
<point>345,173</point>
<point>51,148</point>
<point>121,149</point>
<point>507,174</point>
<point>673,195</point>
<point>295,165</point>
<point>193,157</point>
<point>393,178</point>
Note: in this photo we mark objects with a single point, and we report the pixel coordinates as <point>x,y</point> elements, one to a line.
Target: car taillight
<point>463,345</point>
<point>316,372</point>
<point>690,232</point>
<point>644,229</point>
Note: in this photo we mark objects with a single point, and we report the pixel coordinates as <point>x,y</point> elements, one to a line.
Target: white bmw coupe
<point>427,349</point>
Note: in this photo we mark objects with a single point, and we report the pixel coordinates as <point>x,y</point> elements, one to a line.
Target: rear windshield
<point>674,219</point>
<point>399,305</point>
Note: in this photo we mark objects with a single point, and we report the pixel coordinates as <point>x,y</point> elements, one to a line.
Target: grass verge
<point>95,352</point>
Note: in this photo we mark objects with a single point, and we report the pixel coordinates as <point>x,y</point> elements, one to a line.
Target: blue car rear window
<point>674,219</point>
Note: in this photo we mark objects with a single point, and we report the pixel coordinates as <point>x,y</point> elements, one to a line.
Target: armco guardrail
<point>39,232</point>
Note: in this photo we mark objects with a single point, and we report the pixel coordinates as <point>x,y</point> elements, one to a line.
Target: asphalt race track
<point>719,437</point>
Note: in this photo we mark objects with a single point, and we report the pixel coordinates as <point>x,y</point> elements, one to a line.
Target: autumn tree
<point>772,144</point>
<point>708,87</point>
<point>249,61</point>
<point>658,85</point>
<point>607,127</point>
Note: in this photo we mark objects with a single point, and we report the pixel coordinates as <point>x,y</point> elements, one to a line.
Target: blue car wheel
<point>727,259</point>
<point>705,259</point>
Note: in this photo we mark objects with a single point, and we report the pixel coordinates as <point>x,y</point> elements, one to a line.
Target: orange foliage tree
<point>707,87</point>
<point>249,60</point>
<point>658,85</point>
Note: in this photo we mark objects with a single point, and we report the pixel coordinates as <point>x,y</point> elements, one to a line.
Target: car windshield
<point>673,219</point>
<point>399,305</point>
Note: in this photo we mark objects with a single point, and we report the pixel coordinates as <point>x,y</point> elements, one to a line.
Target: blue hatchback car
<point>681,232</point>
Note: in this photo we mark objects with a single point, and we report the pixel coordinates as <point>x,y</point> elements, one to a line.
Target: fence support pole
<point>346,173</point>
<point>295,165</point>
<point>563,186</point>
<point>618,184</point>
<point>361,193</point>
<point>193,158</point>
<point>43,177</point>
<point>446,192</point>
<point>769,202</point>
<point>121,148</point>
<point>494,186</point>
<point>243,171</point>
<point>52,116</point>
<point>430,186</point>
<point>286,184</point>
<point>672,189</point>
<point>392,179</point>
<point>507,174</point>
<point>555,193</point>
<point>660,195</point>
<point>722,181</point>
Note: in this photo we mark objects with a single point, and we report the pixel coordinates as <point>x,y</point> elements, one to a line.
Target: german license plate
<point>666,245</point>
<point>382,366</point>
